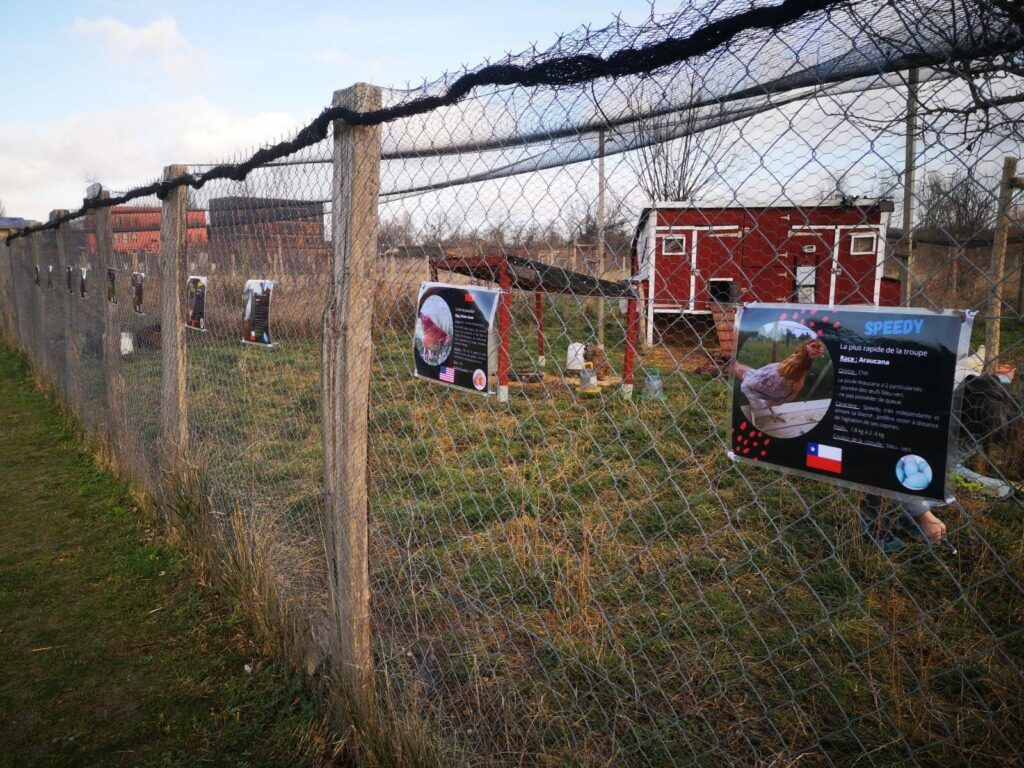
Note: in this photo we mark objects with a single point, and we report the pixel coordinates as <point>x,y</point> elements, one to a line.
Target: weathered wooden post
<point>909,182</point>
<point>41,334</point>
<point>72,338</point>
<point>347,358</point>
<point>117,434</point>
<point>997,267</point>
<point>173,253</point>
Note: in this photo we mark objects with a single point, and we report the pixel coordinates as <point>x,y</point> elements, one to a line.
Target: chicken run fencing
<point>554,559</point>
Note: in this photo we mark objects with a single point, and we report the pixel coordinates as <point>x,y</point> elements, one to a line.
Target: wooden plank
<point>347,358</point>
<point>173,254</point>
<point>997,267</point>
<point>117,434</point>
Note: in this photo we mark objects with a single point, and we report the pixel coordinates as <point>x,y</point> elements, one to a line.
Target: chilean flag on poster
<point>826,457</point>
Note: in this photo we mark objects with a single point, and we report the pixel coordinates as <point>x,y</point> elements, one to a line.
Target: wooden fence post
<point>997,267</point>
<point>173,253</point>
<point>72,333</point>
<point>347,358</point>
<point>117,433</point>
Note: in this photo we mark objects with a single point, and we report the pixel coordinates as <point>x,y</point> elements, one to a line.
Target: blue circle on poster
<point>913,472</point>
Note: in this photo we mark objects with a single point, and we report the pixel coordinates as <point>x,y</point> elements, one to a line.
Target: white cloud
<point>44,166</point>
<point>160,41</point>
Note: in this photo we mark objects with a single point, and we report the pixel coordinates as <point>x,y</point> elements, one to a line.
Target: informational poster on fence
<point>256,318</point>
<point>138,280</point>
<point>112,285</point>
<point>82,287</point>
<point>69,279</point>
<point>195,291</point>
<point>861,396</point>
<point>454,342</point>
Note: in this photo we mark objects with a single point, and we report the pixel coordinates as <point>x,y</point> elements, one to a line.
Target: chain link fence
<point>558,574</point>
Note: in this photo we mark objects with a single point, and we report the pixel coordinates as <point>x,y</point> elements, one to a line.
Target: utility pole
<point>909,184</point>
<point>601,222</point>
<point>997,268</point>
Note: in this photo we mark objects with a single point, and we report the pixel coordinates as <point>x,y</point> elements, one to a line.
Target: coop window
<point>862,245</point>
<point>721,290</point>
<point>674,245</point>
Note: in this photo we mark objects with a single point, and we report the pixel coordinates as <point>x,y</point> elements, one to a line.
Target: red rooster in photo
<point>433,334</point>
<point>777,383</point>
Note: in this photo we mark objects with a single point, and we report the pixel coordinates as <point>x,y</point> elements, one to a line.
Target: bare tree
<point>680,152</point>
<point>958,205</point>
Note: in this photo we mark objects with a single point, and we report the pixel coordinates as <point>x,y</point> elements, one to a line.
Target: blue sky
<point>114,90</point>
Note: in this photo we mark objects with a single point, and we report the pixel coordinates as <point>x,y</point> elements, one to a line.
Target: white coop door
<point>805,280</point>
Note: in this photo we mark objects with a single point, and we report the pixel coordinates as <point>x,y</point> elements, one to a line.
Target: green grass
<point>589,581</point>
<point>110,653</point>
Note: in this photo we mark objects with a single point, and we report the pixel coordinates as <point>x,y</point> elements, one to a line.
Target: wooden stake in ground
<point>173,255</point>
<point>997,267</point>
<point>347,356</point>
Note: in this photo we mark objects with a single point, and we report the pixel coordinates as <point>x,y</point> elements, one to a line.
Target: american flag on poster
<point>826,457</point>
<point>447,373</point>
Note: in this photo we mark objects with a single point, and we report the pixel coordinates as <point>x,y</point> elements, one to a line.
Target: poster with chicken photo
<point>256,318</point>
<point>138,280</point>
<point>195,292</point>
<point>454,341</point>
<point>862,396</point>
<point>112,285</point>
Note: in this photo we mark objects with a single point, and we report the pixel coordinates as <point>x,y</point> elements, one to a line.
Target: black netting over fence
<point>552,569</point>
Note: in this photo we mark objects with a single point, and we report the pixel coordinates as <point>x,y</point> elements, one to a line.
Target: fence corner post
<point>173,253</point>
<point>345,375</point>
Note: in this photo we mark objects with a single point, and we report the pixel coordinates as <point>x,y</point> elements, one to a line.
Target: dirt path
<point>109,654</point>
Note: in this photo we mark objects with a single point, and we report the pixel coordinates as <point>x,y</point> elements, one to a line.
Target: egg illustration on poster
<point>861,396</point>
<point>453,341</point>
<point>256,315</point>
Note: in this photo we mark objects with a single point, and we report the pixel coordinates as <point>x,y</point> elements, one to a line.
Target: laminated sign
<point>863,396</point>
<point>111,285</point>
<point>138,279</point>
<point>196,293</point>
<point>454,341</point>
<point>256,319</point>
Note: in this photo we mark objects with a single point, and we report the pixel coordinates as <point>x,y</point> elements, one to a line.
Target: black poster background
<point>892,395</point>
<point>256,318</point>
<point>196,302</point>
<point>467,351</point>
<point>138,278</point>
<point>112,286</point>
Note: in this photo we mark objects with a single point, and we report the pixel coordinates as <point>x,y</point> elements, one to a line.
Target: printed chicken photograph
<point>434,331</point>
<point>783,379</point>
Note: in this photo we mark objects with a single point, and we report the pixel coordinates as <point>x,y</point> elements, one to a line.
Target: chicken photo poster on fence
<point>863,396</point>
<point>453,342</point>
<point>112,285</point>
<point>138,278</point>
<point>195,292</point>
<point>256,318</point>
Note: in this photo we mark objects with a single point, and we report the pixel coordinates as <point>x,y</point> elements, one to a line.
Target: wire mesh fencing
<point>565,567</point>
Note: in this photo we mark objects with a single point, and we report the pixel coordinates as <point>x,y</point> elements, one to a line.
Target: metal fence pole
<point>173,255</point>
<point>347,355</point>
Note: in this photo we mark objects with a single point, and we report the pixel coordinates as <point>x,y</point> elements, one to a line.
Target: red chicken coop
<point>690,260</point>
<point>516,272</point>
